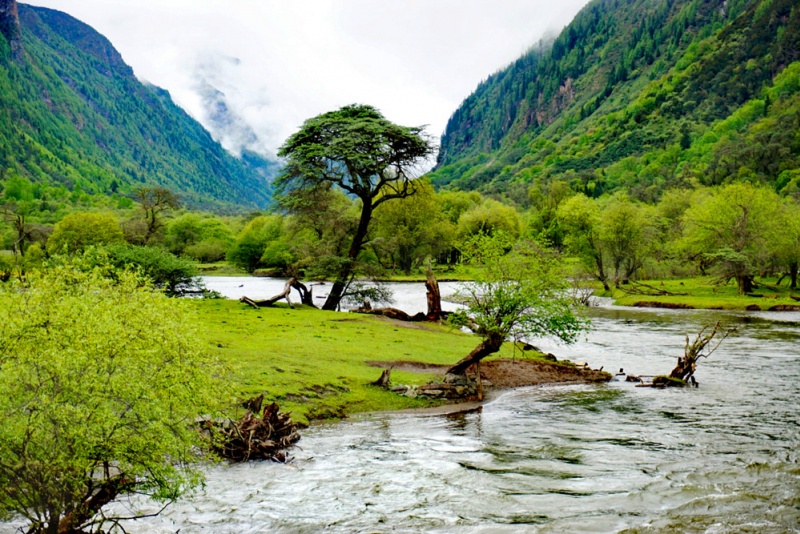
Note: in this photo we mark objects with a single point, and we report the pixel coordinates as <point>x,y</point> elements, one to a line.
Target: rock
<point>785,307</point>
<point>411,393</point>
<point>550,357</point>
<point>753,307</point>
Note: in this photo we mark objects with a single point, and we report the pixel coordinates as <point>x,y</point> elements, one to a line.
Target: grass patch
<point>221,268</point>
<point>704,292</point>
<point>313,363</point>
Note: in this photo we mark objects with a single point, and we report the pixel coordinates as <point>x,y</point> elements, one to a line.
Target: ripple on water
<point>721,458</point>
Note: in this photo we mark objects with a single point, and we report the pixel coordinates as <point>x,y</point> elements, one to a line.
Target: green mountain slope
<point>72,113</point>
<point>638,94</point>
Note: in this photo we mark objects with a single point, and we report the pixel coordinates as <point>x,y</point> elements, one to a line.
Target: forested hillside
<point>639,95</point>
<point>72,114</point>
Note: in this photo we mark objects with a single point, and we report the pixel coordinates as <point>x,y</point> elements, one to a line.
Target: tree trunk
<point>793,267</point>
<point>287,289</point>
<point>337,291</point>
<point>488,346</point>
<point>745,283</point>
<point>433,295</point>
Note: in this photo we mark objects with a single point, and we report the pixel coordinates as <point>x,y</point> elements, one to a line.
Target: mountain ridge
<point>623,80</point>
<point>73,114</point>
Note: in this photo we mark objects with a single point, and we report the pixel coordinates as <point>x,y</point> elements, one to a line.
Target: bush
<point>78,231</point>
<point>100,381</point>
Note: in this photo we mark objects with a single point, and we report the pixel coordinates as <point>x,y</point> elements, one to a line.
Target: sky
<point>276,63</point>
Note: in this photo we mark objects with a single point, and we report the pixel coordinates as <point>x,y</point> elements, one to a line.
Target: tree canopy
<point>360,152</point>
<point>519,295</point>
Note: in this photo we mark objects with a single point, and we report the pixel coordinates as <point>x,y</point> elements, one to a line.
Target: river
<point>720,458</point>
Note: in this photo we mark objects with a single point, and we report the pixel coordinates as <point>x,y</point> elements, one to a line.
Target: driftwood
<point>640,288</point>
<point>683,372</point>
<point>306,297</point>
<point>253,437</point>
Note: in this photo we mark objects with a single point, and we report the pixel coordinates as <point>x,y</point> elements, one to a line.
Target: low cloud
<point>252,72</point>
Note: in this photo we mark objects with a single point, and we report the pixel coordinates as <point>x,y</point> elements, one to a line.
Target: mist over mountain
<point>72,113</point>
<point>642,96</point>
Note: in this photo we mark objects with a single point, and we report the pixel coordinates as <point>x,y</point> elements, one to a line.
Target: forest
<point>736,232</point>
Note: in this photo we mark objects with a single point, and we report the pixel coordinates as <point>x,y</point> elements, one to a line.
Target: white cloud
<point>280,62</point>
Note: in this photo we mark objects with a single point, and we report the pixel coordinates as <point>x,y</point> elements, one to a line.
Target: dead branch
<point>305,295</point>
<point>253,437</point>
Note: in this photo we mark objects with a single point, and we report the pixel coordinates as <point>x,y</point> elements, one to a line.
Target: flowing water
<point>608,458</point>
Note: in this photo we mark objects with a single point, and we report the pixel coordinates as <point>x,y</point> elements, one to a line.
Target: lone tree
<point>738,228</point>
<point>357,150</point>
<point>520,294</point>
<point>155,202</point>
<point>100,384</point>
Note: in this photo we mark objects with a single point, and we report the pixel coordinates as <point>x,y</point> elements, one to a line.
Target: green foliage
<point>521,295</point>
<point>490,218</point>
<point>166,271</point>
<point>100,382</point>
<point>203,237</point>
<point>77,231</point>
<point>737,228</point>
<point>249,247</point>
<point>411,229</point>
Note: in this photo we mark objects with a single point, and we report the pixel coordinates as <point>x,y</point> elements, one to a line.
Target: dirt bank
<point>506,373</point>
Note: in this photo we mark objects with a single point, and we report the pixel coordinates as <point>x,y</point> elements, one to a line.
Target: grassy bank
<point>314,363</point>
<point>705,292</point>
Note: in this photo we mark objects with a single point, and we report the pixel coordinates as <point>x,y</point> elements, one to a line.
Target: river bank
<point>320,365</point>
<point>704,292</point>
<point>578,458</point>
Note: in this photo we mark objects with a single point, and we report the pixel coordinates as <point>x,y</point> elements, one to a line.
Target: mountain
<point>641,95</point>
<point>73,114</point>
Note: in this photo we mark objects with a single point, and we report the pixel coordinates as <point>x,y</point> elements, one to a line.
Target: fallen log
<point>253,437</point>
<point>306,297</point>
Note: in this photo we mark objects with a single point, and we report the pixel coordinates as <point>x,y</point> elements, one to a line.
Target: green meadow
<point>313,363</point>
<point>707,292</point>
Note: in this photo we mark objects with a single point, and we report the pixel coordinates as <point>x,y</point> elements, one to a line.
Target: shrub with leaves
<point>100,382</point>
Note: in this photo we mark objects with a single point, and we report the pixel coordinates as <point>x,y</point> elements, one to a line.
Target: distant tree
<point>522,294</point>
<point>490,218</point>
<point>155,202</point>
<point>357,150</point>
<point>626,232</point>
<point>737,228</point>
<point>100,382</point>
<point>17,216</point>
<point>252,241</point>
<point>320,229</point>
<point>77,231</point>
<point>581,220</point>
<point>174,275</point>
<point>202,237</point>
<point>411,229</point>
<point>788,252</point>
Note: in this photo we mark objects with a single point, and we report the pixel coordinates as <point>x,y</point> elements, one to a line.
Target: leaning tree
<point>515,295</point>
<point>359,151</point>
